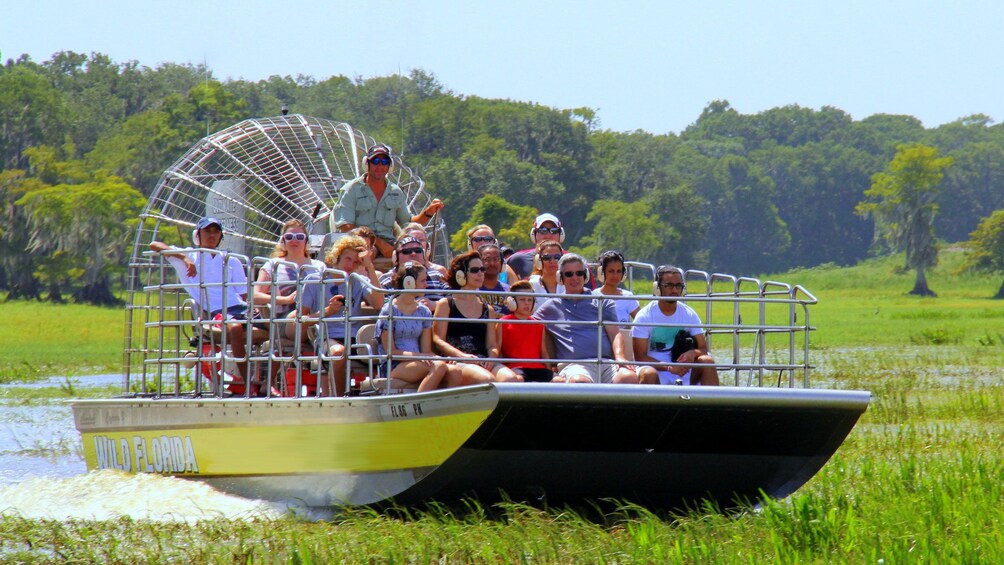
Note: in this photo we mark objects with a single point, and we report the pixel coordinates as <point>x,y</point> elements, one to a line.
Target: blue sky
<point>641,65</point>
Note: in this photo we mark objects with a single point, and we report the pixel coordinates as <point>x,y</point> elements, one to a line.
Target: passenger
<point>610,273</point>
<point>481,235</point>
<point>469,340</point>
<point>410,337</point>
<point>417,231</point>
<point>667,341</point>
<point>290,262</point>
<point>325,298</point>
<point>492,258</point>
<point>577,344</point>
<point>367,234</point>
<point>506,254</point>
<point>372,200</point>
<point>408,248</point>
<point>203,275</point>
<point>545,279</point>
<point>545,228</point>
<point>525,341</point>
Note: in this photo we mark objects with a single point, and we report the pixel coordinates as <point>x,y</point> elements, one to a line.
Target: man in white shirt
<point>678,337</point>
<point>218,287</point>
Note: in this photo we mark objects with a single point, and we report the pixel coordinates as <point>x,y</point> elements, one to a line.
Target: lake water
<point>42,472</point>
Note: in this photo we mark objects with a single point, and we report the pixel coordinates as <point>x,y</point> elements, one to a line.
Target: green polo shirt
<point>358,206</point>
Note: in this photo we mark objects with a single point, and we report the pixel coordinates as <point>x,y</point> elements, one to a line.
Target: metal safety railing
<point>180,341</point>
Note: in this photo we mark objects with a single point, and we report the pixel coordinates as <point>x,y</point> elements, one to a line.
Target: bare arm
<point>616,342</point>
<point>641,353</point>
<point>171,251</point>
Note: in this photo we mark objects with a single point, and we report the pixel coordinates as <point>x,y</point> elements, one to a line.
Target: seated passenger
<point>473,342</point>
<point>290,262</point>
<point>215,285</point>
<point>545,279</point>
<point>324,298</point>
<point>610,273</point>
<point>506,253</point>
<point>410,337</point>
<point>481,235</point>
<point>525,341</point>
<point>367,234</point>
<point>408,248</point>
<point>372,200</point>
<point>577,344</point>
<point>417,231</point>
<point>492,258</point>
<point>667,342</point>
<point>546,227</point>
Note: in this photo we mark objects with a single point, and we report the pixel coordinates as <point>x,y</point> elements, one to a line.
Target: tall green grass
<point>43,339</point>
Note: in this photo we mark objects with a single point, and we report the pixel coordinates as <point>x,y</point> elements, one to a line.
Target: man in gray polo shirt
<point>578,344</point>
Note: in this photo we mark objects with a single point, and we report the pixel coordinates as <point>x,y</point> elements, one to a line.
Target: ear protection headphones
<point>604,259</point>
<point>538,263</point>
<point>561,235</point>
<point>662,270</point>
<point>197,240</point>
<point>461,277</point>
<point>510,303</point>
<point>409,278</point>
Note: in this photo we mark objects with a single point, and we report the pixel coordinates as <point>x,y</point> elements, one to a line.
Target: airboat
<point>181,413</point>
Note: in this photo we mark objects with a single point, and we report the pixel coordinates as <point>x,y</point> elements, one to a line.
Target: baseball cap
<point>548,217</point>
<point>378,149</point>
<point>208,221</point>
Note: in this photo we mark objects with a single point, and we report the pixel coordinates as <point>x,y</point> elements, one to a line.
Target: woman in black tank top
<point>468,340</point>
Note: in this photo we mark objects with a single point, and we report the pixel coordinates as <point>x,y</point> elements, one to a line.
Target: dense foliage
<point>738,193</point>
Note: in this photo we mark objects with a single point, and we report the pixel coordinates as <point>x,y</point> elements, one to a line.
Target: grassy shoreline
<point>920,478</point>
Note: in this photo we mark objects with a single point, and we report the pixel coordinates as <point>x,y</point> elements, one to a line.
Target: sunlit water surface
<point>43,475</point>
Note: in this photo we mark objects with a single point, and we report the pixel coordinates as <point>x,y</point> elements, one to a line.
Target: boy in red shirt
<point>523,340</point>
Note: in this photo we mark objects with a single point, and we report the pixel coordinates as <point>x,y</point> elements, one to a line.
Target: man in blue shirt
<point>588,357</point>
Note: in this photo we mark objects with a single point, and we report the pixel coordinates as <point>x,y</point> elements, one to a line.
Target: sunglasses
<point>554,257</point>
<point>475,270</point>
<point>483,238</point>
<point>296,236</point>
<point>411,251</point>
<point>672,285</point>
<point>552,231</point>
<point>570,274</point>
<point>379,161</point>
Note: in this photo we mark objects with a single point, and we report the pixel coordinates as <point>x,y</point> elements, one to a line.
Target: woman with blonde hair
<point>340,292</point>
<point>290,263</point>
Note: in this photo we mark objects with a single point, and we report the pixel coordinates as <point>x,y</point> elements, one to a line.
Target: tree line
<point>84,139</point>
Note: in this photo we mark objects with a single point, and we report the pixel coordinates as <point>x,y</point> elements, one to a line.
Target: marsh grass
<point>919,480</point>
<point>41,339</point>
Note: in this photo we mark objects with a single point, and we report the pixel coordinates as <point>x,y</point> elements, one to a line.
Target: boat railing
<point>174,347</point>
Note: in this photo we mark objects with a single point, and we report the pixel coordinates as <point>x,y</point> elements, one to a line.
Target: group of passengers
<point>560,339</point>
